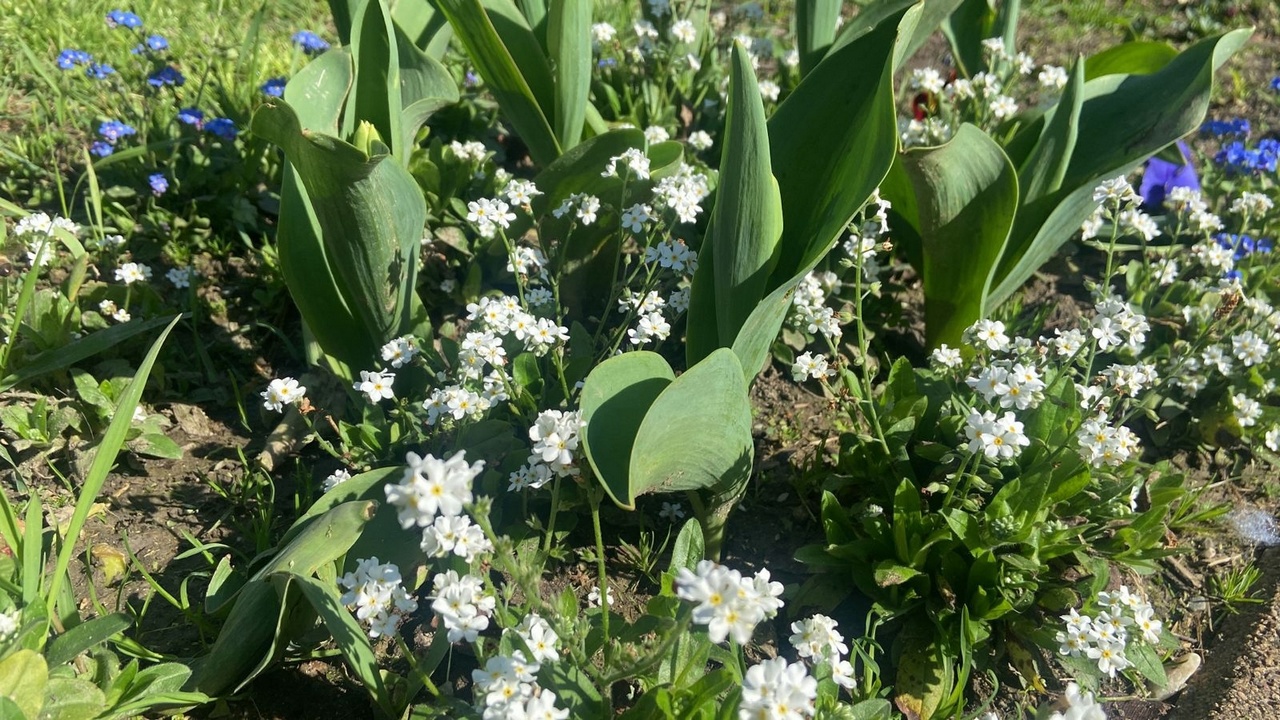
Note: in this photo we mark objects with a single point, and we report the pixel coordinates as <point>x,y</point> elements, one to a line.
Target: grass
<point>225,48</point>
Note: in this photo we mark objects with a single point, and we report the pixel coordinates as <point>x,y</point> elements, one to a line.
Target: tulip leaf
<point>371,214</point>
<point>1046,166</point>
<point>349,637</point>
<point>966,195</point>
<point>1124,119</point>
<point>509,57</point>
<point>425,87</point>
<point>970,23</point>
<point>746,221</point>
<point>375,89</point>
<point>615,398</point>
<point>569,45</point>
<point>1140,57</point>
<point>815,30</point>
<point>674,449</point>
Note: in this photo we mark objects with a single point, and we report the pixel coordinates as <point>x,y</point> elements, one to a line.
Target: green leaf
<point>69,698</point>
<point>23,677</point>
<point>510,59</point>
<point>86,347</point>
<point>320,89</point>
<point>1139,57</point>
<point>1147,662</point>
<point>425,87</point>
<point>349,637</point>
<point>815,30</point>
<point>104,457</point>
<point>375,89</point>
<point>966,192</point>
<point>673,449</point>
<point>569,44</point>
<point>615,398</point>
<point>1045,168</point>
<point>923,674</point>
<point>688,548</point>
<point>746,222</point>
<point>971,23</point>
<point>371,214</point>
<point>831,142</point>
<point>1124,119</point>
<point>322,541</point>
<point>64,648</point>
<point>932,13</point>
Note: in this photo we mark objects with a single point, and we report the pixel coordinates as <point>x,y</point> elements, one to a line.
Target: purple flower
<point>274,87</point>
<point>71,57</point>
<point>159,184</point>
<point>310,43</point>
<point>191,116</point>
<point>167,75</point>
<point>99,71</point>
<point>1161,176</point>
<point>223,128</point>
<point>123,18</point>
<point>101,149</point>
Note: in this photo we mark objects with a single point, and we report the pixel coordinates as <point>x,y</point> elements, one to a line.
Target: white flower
<point>927,79</point>
<point>1052,77</point>
<point>593,597</point>
<point>1002,107</point>
<point>991,334</point>
<point>376,385</point>
<point>818,639</point>
<point>996,438</point>
<point>776,689</point>
<point>377,596</point>
<point>130,273</point>
<point>281,392</point>
<point>400,352</point>
<point>1247,410</point>
<point>671,511</point>
<point>602,32</point>
<point>588,206</point>
<point>1138,223</point>
<point>634,159</point>
<point>336,478</point>
<point>1252,204</point>
<point>1110,656</point>
<point>791,58</point>
<point>431,487</point>
<point>947,357</point>
<point>1249,348</point>
<point>727,603</point>
<point>684,31</point>
<point>1116,192</point>
<point>1080,706</point>
<point>1272,439</point>
<point>454,534</point>
<point>556,436</point>
<point>1093,224</point>
<point>541,639</point>
<point>650,327</point>
<point>464,607</point>
<point>9,623</point>
<point>700,140</point>
<point>180,277</point>
<point>769,90</point>
<point>809,366</point>
<point>655,134</point>
<point>470,151</point>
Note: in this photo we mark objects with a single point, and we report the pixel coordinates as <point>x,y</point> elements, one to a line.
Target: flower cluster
<point>376,593</point>
<point>309,42</point>
<point>556,436</point>
<point>111,132</point>
<point>38,231</point>
<point>507,687</point>
<point>818,640</point>
<point>1124,617</point>
<point>776,689</point>
<point>431,487</point>
<point>729,604</point>
<point>809,310</point>
<point>462,604</point>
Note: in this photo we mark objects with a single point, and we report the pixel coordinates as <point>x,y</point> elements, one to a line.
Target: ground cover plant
<point>490,296</point>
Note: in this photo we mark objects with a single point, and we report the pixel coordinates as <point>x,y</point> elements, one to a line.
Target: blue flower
<point>310,43</point>
<point>1275,84</point>
<point>101,149</point>
<point>113,130</point>
<point>71,57</point>
<point>273,87</point>
<point>1161,176</point>
<point>167,75</point>
<point>159,184</point>
<point>1265,246</point>
<point>99,71</point>
<point>1232,275</point>
<point>606,62</point>
<point>156,43</point>
<point>1223,128</point>
<point>123,18</point>
<point>471,79</point>
<point>1236,157</point>
<point>191,116</point>
<point>223,128</point>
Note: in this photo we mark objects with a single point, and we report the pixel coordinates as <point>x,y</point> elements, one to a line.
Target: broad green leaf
<point>244,640</point>
<point>967,195</point>
<point>697,433</point>
<point>375,88</point>
<point>23,676</point>
<point>423,25</point>
<point>70,698</point>
<point>1140,57</point>
<point>425,87</point>
<point>322,541</point>
<point>932,13</point>
<point>349,637</point>
<point>688,548</point>
<point>1046,165</point>
<point>1123,120</point>
<point>371,213</point>
<point>510,59</point>
<point>746,222</point>
<point>86,635</point>
<point>319,90</point>
<point>923,677</point>
<point>569,45</point>
<point>104,458</point>
<point>1147,662</point>
<point>815,30</point>
<point>615,398</point>
<point>831,143</point>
